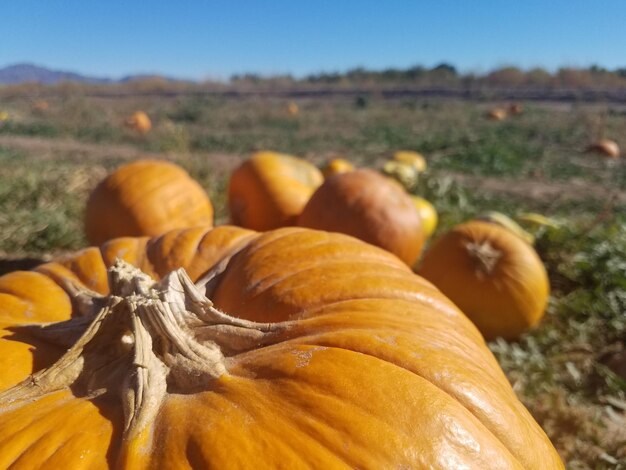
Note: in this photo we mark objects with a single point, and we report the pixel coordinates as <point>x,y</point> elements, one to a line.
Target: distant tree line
<point>593,82</point>
<point>447,75</point>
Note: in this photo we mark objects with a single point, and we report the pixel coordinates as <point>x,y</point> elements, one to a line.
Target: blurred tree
<point>506,76</point>
<point>538,77</point>
<point>445,68</point>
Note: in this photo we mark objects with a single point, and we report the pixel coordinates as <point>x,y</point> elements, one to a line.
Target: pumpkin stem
<point>146,340</point>
<point>484,256</point>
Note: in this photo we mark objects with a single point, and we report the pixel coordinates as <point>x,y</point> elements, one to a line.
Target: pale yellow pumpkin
<point>427,213</point>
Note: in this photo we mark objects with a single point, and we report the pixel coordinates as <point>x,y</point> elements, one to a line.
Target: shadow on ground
<point>19,264</point>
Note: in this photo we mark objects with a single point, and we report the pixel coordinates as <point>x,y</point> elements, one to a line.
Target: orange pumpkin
<point>606,147</point>
<point>270,189</point>
<point>41,106</point>
<point>145,197</point>
<point>497,114</point>
<point>293,109</point>
<point>493,275</point>
<point>366,205</point>
<point>336,166</point>
<point>139,122</point>
<point>318,352</point>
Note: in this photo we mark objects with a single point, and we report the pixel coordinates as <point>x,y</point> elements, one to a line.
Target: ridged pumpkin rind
<point>269,190</point>
<point>366,205</point>
<point>504,303</point>
<point>378,370</point>
<point>145,198</point>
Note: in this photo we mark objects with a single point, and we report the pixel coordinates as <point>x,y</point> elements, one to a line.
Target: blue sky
<point>214,39</point>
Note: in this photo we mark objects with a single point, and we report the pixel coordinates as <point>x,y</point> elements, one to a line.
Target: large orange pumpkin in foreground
<point>270,189</point>
<point>318,351</point>
<point>366,205</point>
<point>492,274</point>
<point>145,197</point>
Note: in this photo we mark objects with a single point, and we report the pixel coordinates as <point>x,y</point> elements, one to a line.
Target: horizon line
<point>268,75</point>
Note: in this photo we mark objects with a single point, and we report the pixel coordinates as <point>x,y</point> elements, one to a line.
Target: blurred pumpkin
<point>139,122</point>
<point>405,167</point>
<point>409,157</point>
<point>364,204</point>
<point>145,197</point>
<point>293,109</point>
<point>428,215</point>
<point>606,147</point>
<point>270,189</point>
<point>537,220</point>
<point>515,109</point>
<point>41,106</point>
<point>497,114</point>
<point>508,223</point>
<point>4,116</point>
<point>336,166</point>
<point>492,275</point>
<point>324,353</point>
<point>406,175</point>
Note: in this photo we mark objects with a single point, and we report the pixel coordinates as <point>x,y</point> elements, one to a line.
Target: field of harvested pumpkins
<point>301,226</point>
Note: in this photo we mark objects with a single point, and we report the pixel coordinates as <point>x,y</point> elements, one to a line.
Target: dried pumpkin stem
<point>484,256</point>
<point>149,339</point>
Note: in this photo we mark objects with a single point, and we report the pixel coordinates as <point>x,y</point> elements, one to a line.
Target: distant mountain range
<point>21,73</point>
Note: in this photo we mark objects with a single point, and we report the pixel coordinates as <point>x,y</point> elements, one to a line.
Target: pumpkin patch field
<point>516,217</point>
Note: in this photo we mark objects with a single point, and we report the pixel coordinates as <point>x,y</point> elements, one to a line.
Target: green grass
<point>33,129</point>
<point>39,208</point>
<point>545,140</point>
<point>560,369</point>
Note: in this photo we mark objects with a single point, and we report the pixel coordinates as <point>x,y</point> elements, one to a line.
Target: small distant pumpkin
<point>270,189</point>
<point>492,275</point>
<point>409,157</point>
<point>145,198</point>
<point>41,106</point>
<point>364,204</point>
<point>427,213</point>
<point>405,167</point>
<point>516,109</point>
<point>293,109</point>
<point>139,122</point>
<point>497,114</point>
<point>605,147</point>
<point>336,166</point>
